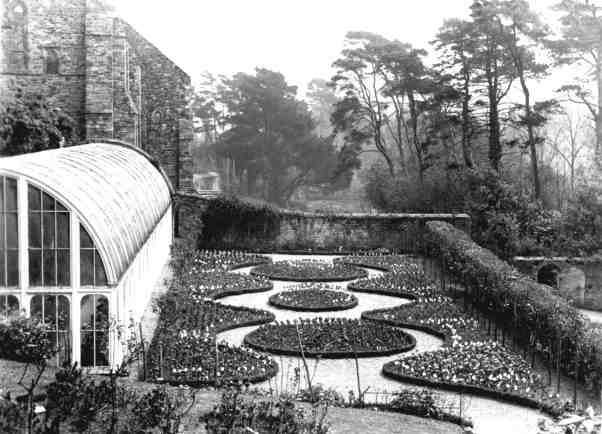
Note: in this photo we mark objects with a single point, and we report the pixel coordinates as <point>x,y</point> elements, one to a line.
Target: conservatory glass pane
<point>49,267</point>
<point>11,194</point>
<point>36,306</point>
<point>49,239</point>
<point>35,230</point>
<point>12,234</point>
<point>63,313</point>
<point>47,202</point>
<point>87,312</point>
<point>35,267</point>
<point>102,346</point>
<point>87,267</point>
<point>34,199</point>
<point>101,276</point>
<point>62,228</point>
<point>63,268</point>
<point>85,240</point>
<point>12,266</point>
<point>102,313</point>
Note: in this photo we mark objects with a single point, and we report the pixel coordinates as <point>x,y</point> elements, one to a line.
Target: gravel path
<point>489,416</point>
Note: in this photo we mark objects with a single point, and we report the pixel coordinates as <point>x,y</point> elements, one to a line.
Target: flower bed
<point>332,338</point>
<point>219,284</point>
<point>191,261</point>
<point>470,361</point>
<point>407,281</point>
<point>308,271</point>
<point>313,297</point>
<point>482,368</point>
<point>188,346</point>
<point>377,262</point>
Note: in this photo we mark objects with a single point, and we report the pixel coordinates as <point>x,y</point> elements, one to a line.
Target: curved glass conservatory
<point>84,234</point>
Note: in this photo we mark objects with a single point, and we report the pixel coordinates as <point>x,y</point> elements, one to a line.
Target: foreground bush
<point>75,403</point>
<point>25,340</point>
<point>234,415</point>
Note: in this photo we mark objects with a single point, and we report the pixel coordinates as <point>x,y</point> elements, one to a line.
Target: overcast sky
<point>300,38</point>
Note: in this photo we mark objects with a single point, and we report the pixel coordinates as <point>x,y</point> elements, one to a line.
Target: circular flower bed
<point>313,298</point>
<point>308,271</point>
<point>331,338</point>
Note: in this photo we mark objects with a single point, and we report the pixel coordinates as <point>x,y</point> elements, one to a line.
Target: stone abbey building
<point>99,70</point>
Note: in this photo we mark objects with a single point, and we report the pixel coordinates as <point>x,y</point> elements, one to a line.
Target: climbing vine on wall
<point>232,221</point>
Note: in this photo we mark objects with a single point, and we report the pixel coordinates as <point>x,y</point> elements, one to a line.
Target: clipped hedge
<point>540,317</point>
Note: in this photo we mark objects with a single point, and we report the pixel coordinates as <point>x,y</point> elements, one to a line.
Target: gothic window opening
<point>52,61</point>
<point>17,38</point>
<point>94,330</point>
<point>53,311</point>
<point>49,240</point>
<point>9,240</point>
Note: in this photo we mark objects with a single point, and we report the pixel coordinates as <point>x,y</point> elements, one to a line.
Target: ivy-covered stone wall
<point>226,223</point>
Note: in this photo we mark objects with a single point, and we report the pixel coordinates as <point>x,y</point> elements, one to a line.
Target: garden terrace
<point>330,338</point>
<point>308,271</point>
<point>313,298</point>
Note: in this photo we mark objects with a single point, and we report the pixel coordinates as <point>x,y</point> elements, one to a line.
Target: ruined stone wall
<point>30,33</point>
<point>111,80</point>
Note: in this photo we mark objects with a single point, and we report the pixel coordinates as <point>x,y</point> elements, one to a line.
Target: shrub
<point>25,340</point>
<point>234,414</point>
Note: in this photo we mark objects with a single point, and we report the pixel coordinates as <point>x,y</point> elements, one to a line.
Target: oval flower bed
<point>308,271</point>
<point>219,284</point>
<point>330,338</point>
<point>313,298</point>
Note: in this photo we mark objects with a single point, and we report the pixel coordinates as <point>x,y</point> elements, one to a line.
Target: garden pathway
<point>489,416</point>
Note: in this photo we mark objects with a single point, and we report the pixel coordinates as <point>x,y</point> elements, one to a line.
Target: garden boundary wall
<point>230,223</point>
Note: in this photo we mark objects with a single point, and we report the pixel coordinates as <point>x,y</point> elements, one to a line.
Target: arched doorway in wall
<point>94,330</point>
<point>54,312</point>
<point>548,275</point>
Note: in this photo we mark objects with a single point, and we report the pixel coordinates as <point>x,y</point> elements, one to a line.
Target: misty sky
<point>301,39</point>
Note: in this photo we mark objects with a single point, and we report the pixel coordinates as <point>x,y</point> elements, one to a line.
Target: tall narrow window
<point>92,270</point>
<point>49,261</point>
<point>53,311</point>
<point>52,61</point>
<point>9,239</point>
<point>95,330</point>
<point>16,42</point>
<point>9,306</point>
